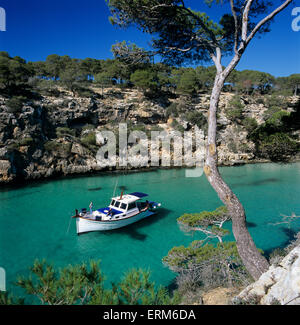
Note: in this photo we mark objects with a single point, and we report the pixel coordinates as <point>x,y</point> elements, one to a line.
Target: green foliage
<point>274,104</point>
<point>13,146</point>
<point>26,141</point>
<point>7,299</point>
<point>72,77</point>
<point>204,218</point>
<point>207,265</point>
<point>205,77</point>
<point>89,139</point>
<point>137,289</point>
<point>145,79</point>
<point>188,82</point>
<point>88,127</point>
<point>277,147</point>
<point>50,145</point>
<point>130,53</point>
<point>14,73</point>
<point>288,85</point>
<point>85,285</point>
<point>202,264</point>
<point>274,139</point>
<point>18,77</point>
<point>248,81</point>
<point>196,35</point>
<point>54,65</point>
<point>62,131</point>
<point>196,118</point>
<point>180,258</point>
<point>157,19</point>
<point>68,286</point>
<point>250,124</point>
<point>62,149</point>
<point>234,109</point>
<point>277,119</point>
<point>104,79</point>
<point>177,126</point>
<point>46,87</point>
<point>208,222</point>
<point>15,104</point>
<point>172,110</point>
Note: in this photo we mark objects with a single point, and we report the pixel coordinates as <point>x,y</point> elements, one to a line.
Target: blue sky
<point>37,28</point>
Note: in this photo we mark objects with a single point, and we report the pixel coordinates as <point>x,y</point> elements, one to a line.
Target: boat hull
<point>85,225</point>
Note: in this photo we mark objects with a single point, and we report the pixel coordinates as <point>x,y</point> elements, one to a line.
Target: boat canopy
<point>139,194</point>
<point>129,198</point>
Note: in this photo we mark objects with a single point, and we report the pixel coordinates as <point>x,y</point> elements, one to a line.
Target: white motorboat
<point>122,211</point>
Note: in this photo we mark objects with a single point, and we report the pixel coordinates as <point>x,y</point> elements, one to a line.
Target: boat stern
<point>154,206</point>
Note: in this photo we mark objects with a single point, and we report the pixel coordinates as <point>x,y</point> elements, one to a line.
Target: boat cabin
<point>123,206</point>
<point>127,202</point>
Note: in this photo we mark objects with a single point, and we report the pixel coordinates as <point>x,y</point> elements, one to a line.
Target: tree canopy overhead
<point>182,34</point>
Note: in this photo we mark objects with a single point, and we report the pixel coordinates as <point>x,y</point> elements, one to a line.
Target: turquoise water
<point>34,220</point>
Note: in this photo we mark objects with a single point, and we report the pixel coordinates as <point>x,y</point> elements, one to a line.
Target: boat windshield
<point>123,206</point>
<point>113,202</point>
<point>117,204</point>
<point>131,206</point>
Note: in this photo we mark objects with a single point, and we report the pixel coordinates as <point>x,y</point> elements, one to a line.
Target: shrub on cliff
<point>196,118</point>
<point>172,110</point>
<point>62,131</point>
<point>250,124</point>
<point>89,139</point>
<point>61,149</point>
<point>234,109</point>
<point>277,147</point>
<point>15,104</point>
<point>26,141</point>
<point>207,265</point>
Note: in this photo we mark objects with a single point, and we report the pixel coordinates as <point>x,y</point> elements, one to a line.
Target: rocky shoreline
<point>54,137</point>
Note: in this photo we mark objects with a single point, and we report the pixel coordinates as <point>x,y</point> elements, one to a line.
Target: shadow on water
<point>257,183</point>
<point>95,188</point>
<point>172,286</point>
<point>19,195</point>
<point>251,224</point>
<point>133,230</point>
<point>290,234</point>
<point>123,188</point>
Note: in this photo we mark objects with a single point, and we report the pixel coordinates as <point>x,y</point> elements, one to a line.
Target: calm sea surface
<point>35,220</point>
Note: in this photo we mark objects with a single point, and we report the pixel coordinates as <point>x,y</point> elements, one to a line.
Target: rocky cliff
<point>279,285</point>
<point>54,136</point>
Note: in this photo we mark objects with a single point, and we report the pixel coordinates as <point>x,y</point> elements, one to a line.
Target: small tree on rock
<point>209,223</point>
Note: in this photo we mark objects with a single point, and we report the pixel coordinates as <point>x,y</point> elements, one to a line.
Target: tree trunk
<point>254,262</point>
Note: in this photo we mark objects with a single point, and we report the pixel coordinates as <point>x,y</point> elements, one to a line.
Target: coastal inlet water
<point>35,220</point>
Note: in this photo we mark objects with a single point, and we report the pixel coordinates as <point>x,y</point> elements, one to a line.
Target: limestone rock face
<point>279,284</point>
<point>51,136</point>
<point>5,174</point>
